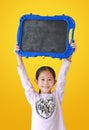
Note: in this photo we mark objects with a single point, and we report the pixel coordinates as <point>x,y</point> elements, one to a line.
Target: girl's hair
<point>45,68</point>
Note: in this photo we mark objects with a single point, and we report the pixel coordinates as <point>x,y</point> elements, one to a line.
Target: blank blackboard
<point>44,36</point>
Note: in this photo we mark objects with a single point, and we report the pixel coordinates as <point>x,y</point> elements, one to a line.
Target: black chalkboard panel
<point>44,36</point>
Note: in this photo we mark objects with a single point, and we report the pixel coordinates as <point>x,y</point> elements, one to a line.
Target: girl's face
<point>45,81</point>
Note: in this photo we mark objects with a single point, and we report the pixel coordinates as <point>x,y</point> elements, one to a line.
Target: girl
<point>46,105</point>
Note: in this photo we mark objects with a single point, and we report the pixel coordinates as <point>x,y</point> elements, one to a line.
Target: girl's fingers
<point>16,48</point>
<point>73,45</point>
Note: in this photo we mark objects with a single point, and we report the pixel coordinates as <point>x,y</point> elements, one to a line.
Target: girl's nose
<point>46,82</point>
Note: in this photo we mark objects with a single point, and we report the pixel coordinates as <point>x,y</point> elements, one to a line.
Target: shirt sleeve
<point>29,91</point>
<point>62,79</point>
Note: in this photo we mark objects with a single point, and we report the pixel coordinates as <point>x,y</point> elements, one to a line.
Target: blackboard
<point>45,36</point>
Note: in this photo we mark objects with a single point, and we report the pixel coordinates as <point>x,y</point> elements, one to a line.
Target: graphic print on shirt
<point>45,108</point>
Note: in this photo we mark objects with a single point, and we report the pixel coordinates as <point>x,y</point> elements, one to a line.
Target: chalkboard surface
<point>44,36</point>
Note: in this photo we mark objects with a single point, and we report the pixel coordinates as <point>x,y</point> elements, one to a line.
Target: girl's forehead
<point>46,73</point>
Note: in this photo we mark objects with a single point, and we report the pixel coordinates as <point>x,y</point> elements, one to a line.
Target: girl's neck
<point>40,92</point>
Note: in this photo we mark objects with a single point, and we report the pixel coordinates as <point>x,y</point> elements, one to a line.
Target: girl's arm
<point>62,75</point>
<point>29,91</point>
<point>62,79</point>
<point>22,71</point>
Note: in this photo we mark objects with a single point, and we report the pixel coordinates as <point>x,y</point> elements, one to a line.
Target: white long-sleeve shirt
<point>46,108</point>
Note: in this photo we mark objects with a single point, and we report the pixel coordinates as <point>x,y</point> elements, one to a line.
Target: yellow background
<point>15,112</point>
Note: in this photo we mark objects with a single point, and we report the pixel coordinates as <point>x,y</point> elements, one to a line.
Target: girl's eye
<point>42,79</point>
<point>49,79</point>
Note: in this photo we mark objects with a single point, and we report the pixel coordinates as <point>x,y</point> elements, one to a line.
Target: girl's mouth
<point>45,87</point>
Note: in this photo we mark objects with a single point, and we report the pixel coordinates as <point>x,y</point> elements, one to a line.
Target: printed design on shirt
<point>45,108</point>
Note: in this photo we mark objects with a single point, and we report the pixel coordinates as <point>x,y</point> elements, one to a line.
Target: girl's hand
<point>73,45</point>
<point>19,58</point>
<point>16,49</point>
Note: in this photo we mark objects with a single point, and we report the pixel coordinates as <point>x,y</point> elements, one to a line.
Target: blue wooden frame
<point>71,25</point>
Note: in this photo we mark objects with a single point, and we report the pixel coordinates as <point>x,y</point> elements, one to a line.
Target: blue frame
<point>71,25</point>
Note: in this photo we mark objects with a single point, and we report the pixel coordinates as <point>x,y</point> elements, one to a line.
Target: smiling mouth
<point>46,87</point>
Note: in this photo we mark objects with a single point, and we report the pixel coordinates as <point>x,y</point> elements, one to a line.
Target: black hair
<point>45,68</point>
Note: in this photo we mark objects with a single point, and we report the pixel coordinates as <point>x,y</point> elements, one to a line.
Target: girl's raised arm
<point>62,75</point>
<point>29,91</point>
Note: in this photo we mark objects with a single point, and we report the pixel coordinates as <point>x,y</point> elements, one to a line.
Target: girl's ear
<point>55,82</point>
<point>36,81</point>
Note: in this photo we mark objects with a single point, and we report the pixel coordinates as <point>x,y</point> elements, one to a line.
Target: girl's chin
<point>45,90</point>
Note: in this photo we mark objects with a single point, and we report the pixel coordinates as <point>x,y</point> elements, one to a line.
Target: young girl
<point>46,105</point>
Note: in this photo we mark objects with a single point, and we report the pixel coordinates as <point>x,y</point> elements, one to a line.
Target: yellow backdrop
<point>15,112</point>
